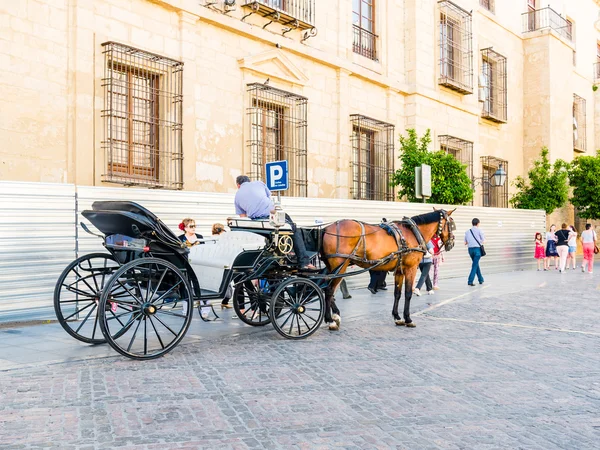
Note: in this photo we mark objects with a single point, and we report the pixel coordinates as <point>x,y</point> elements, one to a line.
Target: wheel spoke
<point>170,313</point>
<point>157,334</point>
<point>289,314</point>
<point>79,310</point>
<point>134,334</point>
<point>164,294</point>
<point>83,279</point>
<point>159,282</point>
<point>165,325</point>
<point>118,320</point>
<point>78,291</point>
<point>146,331</point>
<point>127,289</point>
<point>86,318</point>
<point>89,261</point>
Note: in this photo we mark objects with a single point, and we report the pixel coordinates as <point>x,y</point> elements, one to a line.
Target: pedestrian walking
<point>474,239</point>
<point>572,247</point>
<point>562,246</point>
<point>540,251</point>
<point>551,253</point>
<point>438,258</point>
<point>588,240</point>
<point>425,267</point>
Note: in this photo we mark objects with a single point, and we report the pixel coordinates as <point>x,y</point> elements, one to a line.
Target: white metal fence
<point>40,235</point>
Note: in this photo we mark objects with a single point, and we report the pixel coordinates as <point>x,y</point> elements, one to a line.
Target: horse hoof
<point>410,325</point>
<point>337,319</point>
<point>400,323</point>
<point>334,327</point>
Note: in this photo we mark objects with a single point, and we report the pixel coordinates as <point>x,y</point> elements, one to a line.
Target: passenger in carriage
<point>189,237</point>
<point>253,200</point>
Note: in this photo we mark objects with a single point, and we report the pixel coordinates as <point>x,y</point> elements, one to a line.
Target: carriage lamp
<point>497,179</point>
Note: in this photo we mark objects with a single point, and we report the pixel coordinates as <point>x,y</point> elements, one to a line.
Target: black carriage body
<point>132,232</point>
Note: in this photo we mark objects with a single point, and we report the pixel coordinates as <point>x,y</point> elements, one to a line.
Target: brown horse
<point>395,246</point>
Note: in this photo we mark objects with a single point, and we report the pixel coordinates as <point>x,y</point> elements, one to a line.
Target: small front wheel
<point>152,302</point>
<point>251,302</point>
<point>297,308</point>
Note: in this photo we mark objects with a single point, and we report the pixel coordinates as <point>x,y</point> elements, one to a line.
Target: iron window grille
<point>493,89</point>
<point>363,27</point>
<point>461,150</point>
<point>142,118</point>
<point>539,19</point>
<point>278,131</point>
<point>456,48</point>
<point>294,13</point>
<point>488,4</point>
<point>372,159</point>
<point>597,63</point>
<point>493,196</point>
<point>579,124</point>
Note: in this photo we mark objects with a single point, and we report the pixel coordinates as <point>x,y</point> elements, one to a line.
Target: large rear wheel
<point>154,304</point>
<point>297,308</point>
<point>77,295</point>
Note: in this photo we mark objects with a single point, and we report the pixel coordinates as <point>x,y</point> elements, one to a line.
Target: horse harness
<point>393,229</point>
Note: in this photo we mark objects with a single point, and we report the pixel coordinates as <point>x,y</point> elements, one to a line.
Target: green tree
<point>450,183</point>
<point>546,185</point>
<point>584,176</point>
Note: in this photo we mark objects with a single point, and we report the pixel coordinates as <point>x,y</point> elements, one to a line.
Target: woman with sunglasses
<point>189,237</point>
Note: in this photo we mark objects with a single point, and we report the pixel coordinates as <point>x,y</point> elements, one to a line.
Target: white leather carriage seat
<point>244,222</point>
<point>209,260</point>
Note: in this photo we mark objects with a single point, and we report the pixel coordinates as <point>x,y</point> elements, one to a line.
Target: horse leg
<point>336,319</point>
<point>398,279</point>
<point>411,273</point>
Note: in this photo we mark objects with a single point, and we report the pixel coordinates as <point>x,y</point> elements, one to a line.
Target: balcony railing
<point>547,18</point>
<point>365,43</point>
<point>294,13</point>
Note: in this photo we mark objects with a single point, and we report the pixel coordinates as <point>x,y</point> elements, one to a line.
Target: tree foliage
<point>584,177</point>
<point>545,187</point>
<point>450,183</point>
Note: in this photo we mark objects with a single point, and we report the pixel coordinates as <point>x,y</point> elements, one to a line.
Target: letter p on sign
<point>277,175</point>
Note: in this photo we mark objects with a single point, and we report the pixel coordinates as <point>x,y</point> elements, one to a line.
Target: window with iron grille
<point>278,124</point>
<point>372,159</point>
<point>492,195</point>
<point>142,117</point>
<point>579,119</point>
<point>461,150</point>
<point>492,81</point>
<point>456,48</point>
<point>363,25</point>
<point>487,4</point>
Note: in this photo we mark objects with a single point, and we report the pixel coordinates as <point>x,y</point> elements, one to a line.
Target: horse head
<point>446,227</point>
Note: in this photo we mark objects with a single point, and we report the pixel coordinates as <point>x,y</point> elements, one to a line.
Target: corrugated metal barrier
<point>38,236</point>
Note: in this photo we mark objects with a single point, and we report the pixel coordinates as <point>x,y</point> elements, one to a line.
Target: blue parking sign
<point>277,175</point>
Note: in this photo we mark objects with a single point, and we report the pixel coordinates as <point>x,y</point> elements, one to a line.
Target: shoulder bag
<point>480,246</point>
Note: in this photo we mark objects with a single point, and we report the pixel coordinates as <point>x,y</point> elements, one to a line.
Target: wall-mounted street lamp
<point>497,179</point>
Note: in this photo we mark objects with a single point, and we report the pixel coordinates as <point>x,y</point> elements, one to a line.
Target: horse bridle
<point>450,225</point>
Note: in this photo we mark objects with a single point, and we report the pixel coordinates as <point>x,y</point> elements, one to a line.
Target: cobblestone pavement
<point>511,364</point>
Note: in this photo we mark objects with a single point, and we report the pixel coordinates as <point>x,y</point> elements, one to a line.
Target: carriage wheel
<point>77,294</point>
<point>251,302</point>
<point>297,308</point>
<point>154,307</point>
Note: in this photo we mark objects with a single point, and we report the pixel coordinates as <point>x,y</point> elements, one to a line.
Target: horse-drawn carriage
<point>140,296</point>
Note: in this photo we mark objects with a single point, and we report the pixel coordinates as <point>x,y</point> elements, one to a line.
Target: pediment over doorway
<point>274,64</point>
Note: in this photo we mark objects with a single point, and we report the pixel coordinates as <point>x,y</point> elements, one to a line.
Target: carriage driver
<point>253,200</point>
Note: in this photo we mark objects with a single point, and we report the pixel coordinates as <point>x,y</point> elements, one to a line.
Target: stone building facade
<point>188,94</point>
